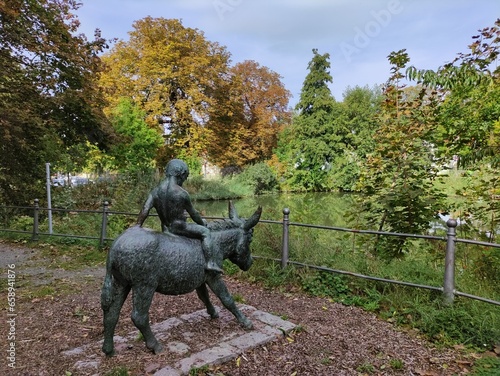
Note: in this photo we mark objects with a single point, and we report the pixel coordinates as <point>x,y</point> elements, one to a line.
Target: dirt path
<point>58,310</point>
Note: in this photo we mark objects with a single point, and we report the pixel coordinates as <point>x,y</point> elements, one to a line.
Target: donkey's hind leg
<point>112,297</point>
<point>143,296</point>
<point>202,292</point>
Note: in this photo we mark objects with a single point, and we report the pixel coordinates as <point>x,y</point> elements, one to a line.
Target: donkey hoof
<point>247,324</point>
<point>109,352</point>
<point>213,314</point>
<point>158,348</point>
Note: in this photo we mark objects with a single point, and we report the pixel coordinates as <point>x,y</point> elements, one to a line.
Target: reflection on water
<point>328,209</point>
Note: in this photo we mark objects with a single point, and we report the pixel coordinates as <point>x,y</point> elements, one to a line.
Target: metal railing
<point>448,288</point>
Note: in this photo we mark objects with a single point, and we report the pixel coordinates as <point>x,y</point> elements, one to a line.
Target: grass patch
<point>217,189</point>
<point>73,257</point>
<point>238,298</point>
<point>396,364</point>
<point>486,366</point>
<point>40,292</point>
<point>199,371</point>
<point>118,371</point>
<point>56,288</point>
<point>366,368</point>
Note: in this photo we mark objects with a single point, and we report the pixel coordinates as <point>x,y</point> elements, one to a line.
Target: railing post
<point>284,250</point>
<point>104,223</point>
<point>449,263</point>
<point>34,236</point>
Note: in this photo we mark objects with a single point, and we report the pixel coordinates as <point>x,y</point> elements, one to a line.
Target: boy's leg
<point>213,259</point>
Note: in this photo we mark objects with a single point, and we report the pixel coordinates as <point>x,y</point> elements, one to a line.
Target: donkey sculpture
<point>147,261</point>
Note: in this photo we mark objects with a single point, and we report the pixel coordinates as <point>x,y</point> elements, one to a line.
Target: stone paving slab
<point>267,328</point>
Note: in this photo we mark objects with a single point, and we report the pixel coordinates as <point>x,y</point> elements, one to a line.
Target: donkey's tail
<point>106,292</point>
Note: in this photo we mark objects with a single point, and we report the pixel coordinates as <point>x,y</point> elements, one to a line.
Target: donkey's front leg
<point>219,288</point>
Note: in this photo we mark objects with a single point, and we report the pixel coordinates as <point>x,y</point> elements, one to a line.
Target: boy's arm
<point>145,211</point>
<point>193,213</point>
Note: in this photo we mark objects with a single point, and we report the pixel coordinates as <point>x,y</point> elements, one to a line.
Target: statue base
<point>185,350</point>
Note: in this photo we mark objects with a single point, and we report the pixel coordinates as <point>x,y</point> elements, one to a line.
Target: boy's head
<point>177,168</point>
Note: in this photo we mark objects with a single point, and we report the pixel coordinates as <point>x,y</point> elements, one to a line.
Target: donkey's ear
<point>253,220</point>
<point>232,211</point>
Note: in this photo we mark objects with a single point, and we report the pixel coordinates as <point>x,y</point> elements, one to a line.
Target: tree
<point>49,100</point>
<point>397,177</point>
<point>172,73</point>
<point>253,109</point>
<point>356,121</point>
<point>139,143</point>
<point>311,144</point>
<point>469,126</point>
<point>470,91</point>
<point>361,106</point>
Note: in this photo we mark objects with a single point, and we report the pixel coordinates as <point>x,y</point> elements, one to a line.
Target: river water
<point>326,209</point>
<point>329,209</point>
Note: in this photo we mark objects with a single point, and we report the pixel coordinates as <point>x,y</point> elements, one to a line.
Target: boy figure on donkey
<point>171,201</point>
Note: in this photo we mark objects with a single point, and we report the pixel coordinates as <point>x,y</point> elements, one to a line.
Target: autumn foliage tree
<point>252,110</point>
<point>172,73</point>
<point>49,100</point>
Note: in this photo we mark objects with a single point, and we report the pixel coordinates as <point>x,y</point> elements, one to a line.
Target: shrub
<point>261,177</point>
<point>487,366</point>
<point>326,284</point>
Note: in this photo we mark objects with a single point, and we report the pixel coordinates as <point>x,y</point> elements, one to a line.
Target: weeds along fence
<point>101,218</point>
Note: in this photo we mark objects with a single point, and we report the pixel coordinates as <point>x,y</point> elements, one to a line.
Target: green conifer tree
<point>312,139</point>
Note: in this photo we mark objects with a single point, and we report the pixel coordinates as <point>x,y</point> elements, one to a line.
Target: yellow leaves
<point>171,72</point>
<point>289,336</point>
<point>494,139</point>
<point>238,360</point>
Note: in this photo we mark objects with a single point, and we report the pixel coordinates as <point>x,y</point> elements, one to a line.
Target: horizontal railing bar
<point>373,232</point>
<point>18,231</point>
<point>68,236</point>
<point>476,297</point>
<point>477,242</point>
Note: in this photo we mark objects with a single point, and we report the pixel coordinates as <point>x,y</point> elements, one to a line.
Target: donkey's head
<point>242,256</point>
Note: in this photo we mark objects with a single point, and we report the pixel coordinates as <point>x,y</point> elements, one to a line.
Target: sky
<point>281,34</point>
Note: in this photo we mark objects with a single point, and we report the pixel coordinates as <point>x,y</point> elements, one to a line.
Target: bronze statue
<point>171,202</point>
<point>147,261</point>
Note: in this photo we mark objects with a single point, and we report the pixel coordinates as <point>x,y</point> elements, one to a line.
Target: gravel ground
<point>58,310</point>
